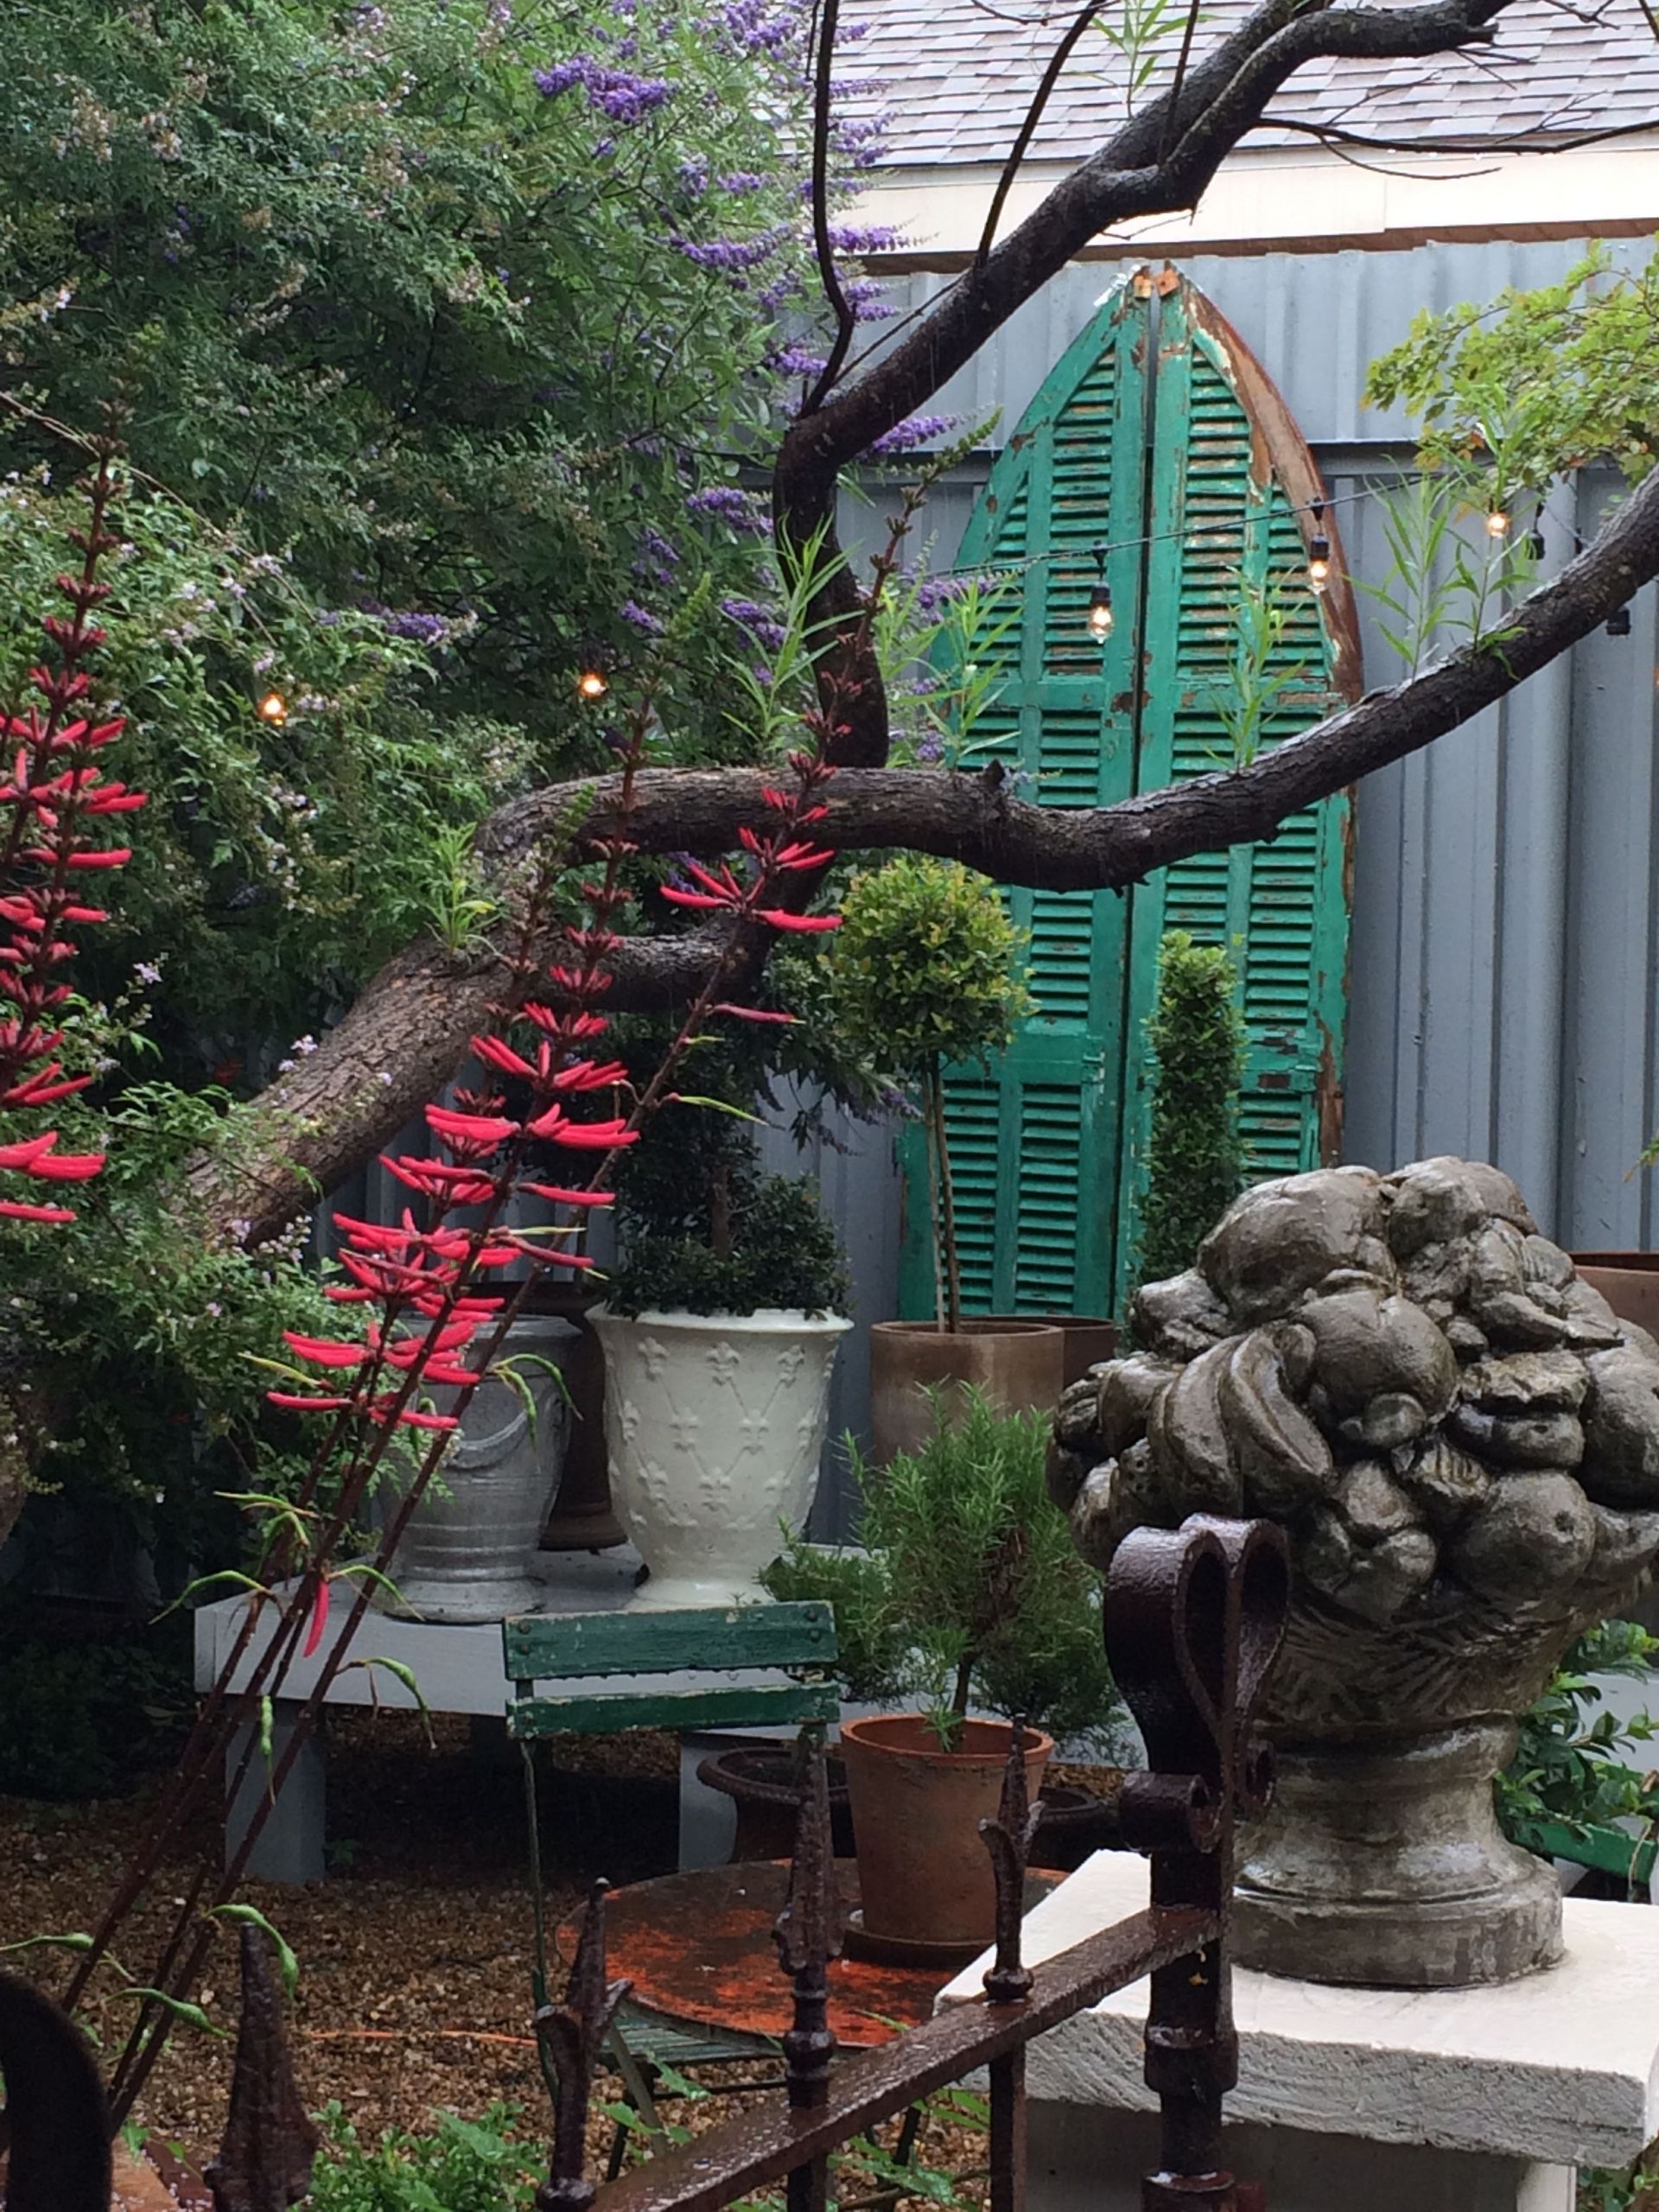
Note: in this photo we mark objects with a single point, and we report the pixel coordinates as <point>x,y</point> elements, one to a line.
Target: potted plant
<point>1195,1157</point>
<point>721,1329</point>
<point>968,1598</point>
<point>924,972</point>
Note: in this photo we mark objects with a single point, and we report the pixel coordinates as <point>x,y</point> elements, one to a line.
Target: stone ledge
<point>1561,2067</point>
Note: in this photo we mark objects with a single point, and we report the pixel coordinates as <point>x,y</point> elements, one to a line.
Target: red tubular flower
<point>780,919</point>
<point>484,1129</point>
<point>318,1619</point>
<point>561,1197</point>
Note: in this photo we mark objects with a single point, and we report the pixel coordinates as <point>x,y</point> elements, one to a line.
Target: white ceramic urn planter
<point>715,1423</point>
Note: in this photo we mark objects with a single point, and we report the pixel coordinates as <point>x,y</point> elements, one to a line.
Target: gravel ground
<point>415,1953</point>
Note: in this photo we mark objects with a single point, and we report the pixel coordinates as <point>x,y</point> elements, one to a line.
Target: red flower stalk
<point>55,793</point>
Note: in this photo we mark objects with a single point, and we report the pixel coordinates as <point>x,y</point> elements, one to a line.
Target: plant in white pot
<point>969,1593</point>
<point>924,972</point>
<point>720,1330</point>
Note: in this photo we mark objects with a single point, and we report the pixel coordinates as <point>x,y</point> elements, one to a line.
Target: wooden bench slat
<point>548,1647</point>
<point>763,1705</point>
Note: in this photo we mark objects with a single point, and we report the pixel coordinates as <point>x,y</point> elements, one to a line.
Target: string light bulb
<point>1618,622</point>
<point>1498,523</point>
<point>1535,543</point>
<point>1101,618</point>
<point>1318,551</point>
<point>592,683</point>
<point>273,708</point>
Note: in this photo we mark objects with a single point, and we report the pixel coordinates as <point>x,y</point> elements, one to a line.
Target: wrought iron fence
<point>1193,1619</point>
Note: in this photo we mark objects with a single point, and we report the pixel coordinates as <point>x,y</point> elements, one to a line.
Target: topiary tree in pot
<point>721,1329</point>
<point>969,1593</point>
<point>1195,1155</point>
<point>924,971</point>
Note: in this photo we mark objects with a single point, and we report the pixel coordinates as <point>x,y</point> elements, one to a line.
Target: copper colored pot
<point>1628,1280</point>
<point>924,1873</point>
<point>1017,1365</point>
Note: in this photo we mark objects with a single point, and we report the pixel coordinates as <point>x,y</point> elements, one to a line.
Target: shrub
<point>1195,1160</point>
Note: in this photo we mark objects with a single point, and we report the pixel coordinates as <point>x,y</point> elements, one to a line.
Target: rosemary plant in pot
<point>924,972</point>
<point>720,1331</point>
<point>972,1597</point>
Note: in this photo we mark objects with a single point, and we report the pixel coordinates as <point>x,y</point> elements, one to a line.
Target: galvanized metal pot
<point>464,1555</point>
<point>714,1424</point>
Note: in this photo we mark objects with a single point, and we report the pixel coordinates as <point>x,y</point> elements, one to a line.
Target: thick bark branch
<point>413,1020</point>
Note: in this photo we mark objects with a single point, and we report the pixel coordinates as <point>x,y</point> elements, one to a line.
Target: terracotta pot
<point>1018,1365</point>
<point>1090,1338</point>
<point>924,1873</point>
<point>761,1784</point>
<point>1628,1280</point>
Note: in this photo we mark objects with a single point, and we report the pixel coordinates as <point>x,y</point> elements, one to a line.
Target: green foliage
<point>870,1637</point>
<point>1565,1765</point>
<point>429,376</point>
<point>1266,621</point>
<point>1195,1160</point>
<point>924,967</point>
<point>1634,2188</point>
<point>972,1588</point>
<point>462,2166</point>
<point>90,1718</point>
<point>1536,383</point>
<point>703,1232</point>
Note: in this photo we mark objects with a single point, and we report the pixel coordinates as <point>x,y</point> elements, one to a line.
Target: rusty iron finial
<point>264,2160</point>
<point>1008,1840</point>
<point>572,2035</point>
<point>1193,1618</point>
<point>808,1932</point>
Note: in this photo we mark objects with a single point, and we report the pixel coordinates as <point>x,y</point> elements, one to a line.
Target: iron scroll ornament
<point>1193,1619</point>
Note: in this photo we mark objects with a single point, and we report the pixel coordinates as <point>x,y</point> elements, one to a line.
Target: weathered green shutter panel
<point>1035,1144</point>
<point>1192,484</point>
<point>1222,519</point>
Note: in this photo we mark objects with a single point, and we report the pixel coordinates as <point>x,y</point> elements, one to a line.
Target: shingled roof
<point>955,78</point>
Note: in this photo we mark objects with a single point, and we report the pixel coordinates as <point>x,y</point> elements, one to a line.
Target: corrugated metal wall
<point>1506,908</point>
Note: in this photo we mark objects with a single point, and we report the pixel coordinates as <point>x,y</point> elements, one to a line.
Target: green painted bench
<point>561,1648</point>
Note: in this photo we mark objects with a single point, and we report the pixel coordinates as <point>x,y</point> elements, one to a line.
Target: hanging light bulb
<point>1318,551</point>
<point>592,683</point>
<point>1498,523</point>
<point>1618,622</point>
<point>1535,543</point>
<point>1101,618</point>
<point>273,708</point>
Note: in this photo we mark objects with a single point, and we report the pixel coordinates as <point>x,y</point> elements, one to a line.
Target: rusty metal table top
<point>698,1947</point>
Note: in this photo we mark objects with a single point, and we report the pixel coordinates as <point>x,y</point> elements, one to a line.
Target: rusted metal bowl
<point>760,1781</point>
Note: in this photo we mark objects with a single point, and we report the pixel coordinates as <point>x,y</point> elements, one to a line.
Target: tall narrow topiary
<point>1195,1157</point>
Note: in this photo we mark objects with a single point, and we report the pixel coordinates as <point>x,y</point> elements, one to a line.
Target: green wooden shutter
<point>1193,473</point>
<point>1034,1142</point>
<point>1222,519</point>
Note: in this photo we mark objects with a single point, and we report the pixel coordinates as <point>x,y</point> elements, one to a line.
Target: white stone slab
<point>1562,2068</point>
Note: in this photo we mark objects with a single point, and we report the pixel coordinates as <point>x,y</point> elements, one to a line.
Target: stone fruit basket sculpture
<point>1462,1442</point>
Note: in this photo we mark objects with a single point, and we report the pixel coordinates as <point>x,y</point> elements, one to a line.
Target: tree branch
<point>413,1020</point>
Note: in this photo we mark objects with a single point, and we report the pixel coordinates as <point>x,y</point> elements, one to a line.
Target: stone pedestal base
<point>1087,2161</point>
<point>1473,2100</point>
<point>1386,1866</point>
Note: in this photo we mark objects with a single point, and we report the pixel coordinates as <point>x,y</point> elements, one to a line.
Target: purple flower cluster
<point>867,298</point>
<point>725,502</point>
<point>796,361</point>
<point>422,629</point>
<point>615,92</point>
<point>640,617</point>
<point>760,622</point>
<point>915,430</point>
<point>656,557</point>
<point>732,253</point>
<point>739,181</point>
<point>864,237</point>
<point>758,27</point>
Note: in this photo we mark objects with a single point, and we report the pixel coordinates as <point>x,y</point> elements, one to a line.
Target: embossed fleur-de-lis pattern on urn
<point>715,1438</point>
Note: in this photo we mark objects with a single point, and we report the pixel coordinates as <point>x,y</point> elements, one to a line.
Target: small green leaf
<point>250,1916</point>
